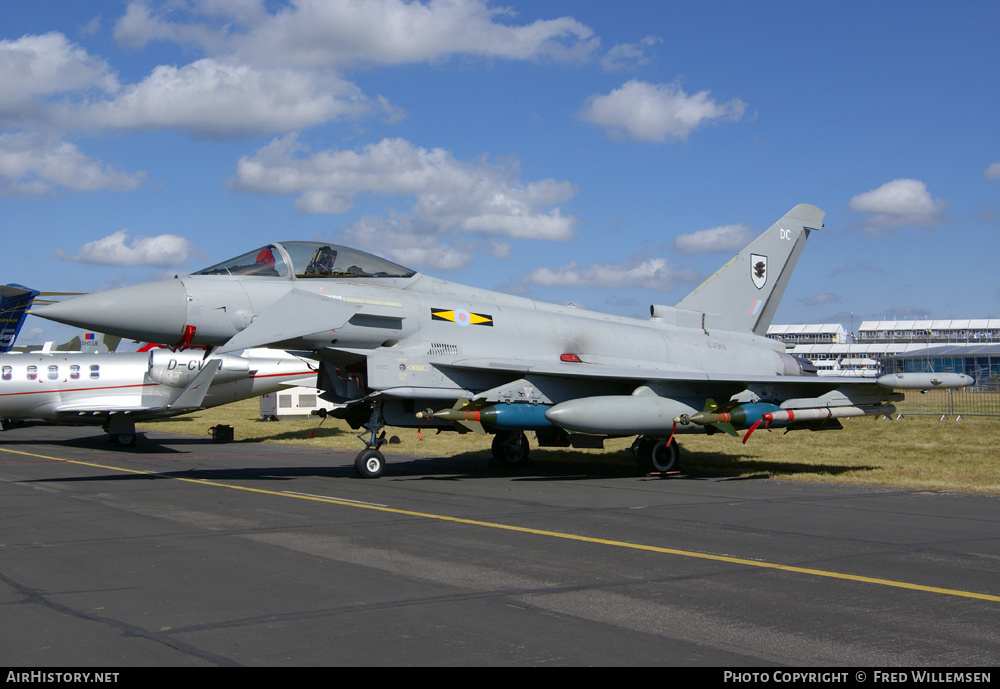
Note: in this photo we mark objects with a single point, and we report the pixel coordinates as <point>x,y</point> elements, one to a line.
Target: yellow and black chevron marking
<point>461,317</point>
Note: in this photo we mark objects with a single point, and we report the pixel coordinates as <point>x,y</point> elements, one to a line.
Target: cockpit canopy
<point>309,260</point>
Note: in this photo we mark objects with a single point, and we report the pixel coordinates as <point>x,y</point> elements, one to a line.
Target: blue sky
<point>606,154</point>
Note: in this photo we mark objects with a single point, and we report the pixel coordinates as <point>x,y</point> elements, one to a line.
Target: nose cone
<point>152,312</point>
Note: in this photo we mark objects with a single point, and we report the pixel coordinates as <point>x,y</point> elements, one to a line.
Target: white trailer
<point>298,401</point>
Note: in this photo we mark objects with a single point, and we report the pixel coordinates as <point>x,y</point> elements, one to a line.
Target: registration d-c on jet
<point>405,349</point>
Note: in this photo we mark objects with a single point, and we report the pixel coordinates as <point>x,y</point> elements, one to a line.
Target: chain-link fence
<point>978,400</point>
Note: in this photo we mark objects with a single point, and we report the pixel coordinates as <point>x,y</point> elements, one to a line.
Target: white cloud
<point>35,67</point>
<point>726,238</point>
<point>311,33</point>
<point>399,239</point>
<point>625,56</point>
<point>402,239</point>
<point>898,203</point>
<point>657,112</point>
<point>141,25</point>
<point>821,299</point>
<point>638,271</point>
<point>219,97</point>
<point>993,171</point>
<point>117,250</point>
<point>35,165</point>
<point>90,28</point>
<point>214,98</point>
<point>481,198</point>
<point>263,71</point>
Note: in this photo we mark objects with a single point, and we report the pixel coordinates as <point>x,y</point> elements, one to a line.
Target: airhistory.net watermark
<point>45,676</point>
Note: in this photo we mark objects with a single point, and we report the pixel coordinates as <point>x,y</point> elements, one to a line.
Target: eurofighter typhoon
<point>399,348</point>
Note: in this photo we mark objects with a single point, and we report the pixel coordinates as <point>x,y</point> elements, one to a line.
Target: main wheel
<point>369,463</point>
<point>511,447</point>
<point>655,455</point>
<point>123,439</point>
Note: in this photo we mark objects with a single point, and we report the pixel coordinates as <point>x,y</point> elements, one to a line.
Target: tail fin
<point>90,343</point>
<point>14,303</point>
<point>744,294</point>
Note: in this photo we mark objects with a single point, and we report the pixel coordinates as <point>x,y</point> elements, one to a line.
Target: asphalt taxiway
<point>182,552</point>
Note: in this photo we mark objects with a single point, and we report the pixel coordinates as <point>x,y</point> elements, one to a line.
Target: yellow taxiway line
<point>540,532</point>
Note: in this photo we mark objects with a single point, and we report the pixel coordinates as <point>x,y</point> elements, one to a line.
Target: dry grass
<point>914,452</point>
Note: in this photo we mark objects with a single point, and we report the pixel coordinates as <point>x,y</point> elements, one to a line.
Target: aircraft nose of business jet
<point>154,311</point>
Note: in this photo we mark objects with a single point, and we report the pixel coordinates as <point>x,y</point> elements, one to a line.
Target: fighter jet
<point>404,349</point>
<point>116,390</point>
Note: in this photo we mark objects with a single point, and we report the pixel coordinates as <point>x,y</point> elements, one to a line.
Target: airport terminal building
<point>970,346</point>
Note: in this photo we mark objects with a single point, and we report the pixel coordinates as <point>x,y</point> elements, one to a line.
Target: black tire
<point>123,439</point>
<point>369,463</point>
<point>511,448</point>
<point>655,455</point>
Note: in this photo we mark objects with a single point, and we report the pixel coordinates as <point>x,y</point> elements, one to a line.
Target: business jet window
<point>264,262</point>
<point>95,371</point>
<point>8,373</point>
<point>32,372</point>
<point>320,260</point>
<point>53,372</point>
<point>74,371</point>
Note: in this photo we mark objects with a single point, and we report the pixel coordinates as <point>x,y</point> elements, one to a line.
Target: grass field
<point>920,452</point>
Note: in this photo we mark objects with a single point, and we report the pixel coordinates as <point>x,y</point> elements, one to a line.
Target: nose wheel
<point>370,462</point>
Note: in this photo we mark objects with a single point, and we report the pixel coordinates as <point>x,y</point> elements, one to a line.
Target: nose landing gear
<point>370,462</point>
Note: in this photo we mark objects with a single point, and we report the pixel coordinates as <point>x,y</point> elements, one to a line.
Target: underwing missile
<point>741,416</point>
<point>500,417</point>
<point>821,414</point>
<point>793,417</point>
<point>525,417</point>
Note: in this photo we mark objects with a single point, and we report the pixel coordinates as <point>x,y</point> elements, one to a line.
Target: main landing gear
<point>510,448</point>
<point>370,461</point>
<point>120,429</point>
<point>122,439</point>
<point>656,455</point>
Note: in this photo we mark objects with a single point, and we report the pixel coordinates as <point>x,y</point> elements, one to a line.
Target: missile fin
<point>727,427</point>
<point>461,416</point>
<point>470,426</point>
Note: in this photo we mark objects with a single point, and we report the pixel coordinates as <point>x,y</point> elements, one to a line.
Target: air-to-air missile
<point>753,416</point>
<point>739,417</point>
<point>790,416</point>
<point>498,417</point>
